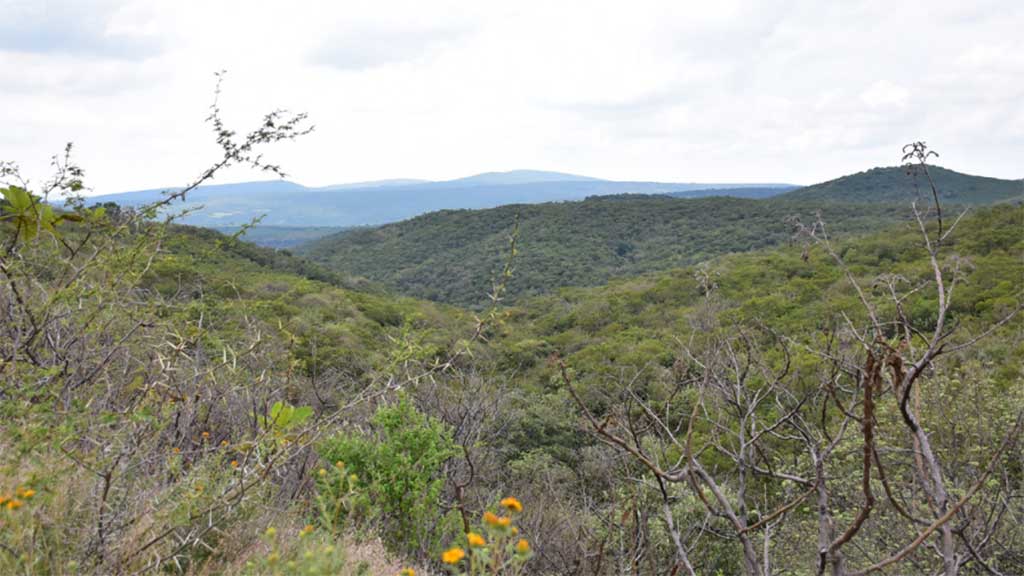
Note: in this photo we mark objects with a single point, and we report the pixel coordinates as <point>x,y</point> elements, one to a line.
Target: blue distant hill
<point>290,204</point>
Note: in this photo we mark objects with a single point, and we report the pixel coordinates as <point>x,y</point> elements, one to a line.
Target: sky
<point>676,91</point>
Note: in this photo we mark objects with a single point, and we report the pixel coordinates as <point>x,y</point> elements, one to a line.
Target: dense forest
<point>800,386</point>
<point>452,256</point>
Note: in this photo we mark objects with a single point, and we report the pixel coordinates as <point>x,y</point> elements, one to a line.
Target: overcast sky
<point>712,91</point>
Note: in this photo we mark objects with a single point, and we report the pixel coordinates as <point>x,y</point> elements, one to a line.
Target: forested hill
<point>452,255</point>
<point>894,184</point>
<point>635,321</point>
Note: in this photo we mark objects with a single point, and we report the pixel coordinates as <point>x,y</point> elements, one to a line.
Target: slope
<point>450,256</point>
<point>635,321</point>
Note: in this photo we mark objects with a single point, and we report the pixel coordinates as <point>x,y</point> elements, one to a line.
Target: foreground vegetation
<point>176,401</point>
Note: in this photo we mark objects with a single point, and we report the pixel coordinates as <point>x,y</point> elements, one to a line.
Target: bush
<point>399,463</point>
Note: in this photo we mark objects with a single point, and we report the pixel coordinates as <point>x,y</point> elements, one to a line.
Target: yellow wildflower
<point>206,435</point>
<point>339,465</point>
<point>407,572</point>
<point>306,530</point>
<point>176,450</point>
<point>475,540</point>
<point>322,472</point>
<point>522,546</point>
<point>496,521</point>
<point>14,504</point>
<point>224,443</point>
<point>234,463</point>
<point>512,504</point>
<point>453,555</point>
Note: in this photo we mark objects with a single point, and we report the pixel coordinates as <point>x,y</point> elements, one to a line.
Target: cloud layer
<point>686,91</point>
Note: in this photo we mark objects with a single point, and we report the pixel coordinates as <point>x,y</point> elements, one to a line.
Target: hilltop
<point>894,184</point>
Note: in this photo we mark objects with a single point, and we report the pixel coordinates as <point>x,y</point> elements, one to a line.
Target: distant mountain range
<point>287,204</point>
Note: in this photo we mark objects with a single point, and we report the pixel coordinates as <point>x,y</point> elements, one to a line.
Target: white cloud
<point>885,94</point>
<point>728,90</point>
<point>104,28</point>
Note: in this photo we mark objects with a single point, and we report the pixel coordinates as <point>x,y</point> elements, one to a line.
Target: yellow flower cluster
<point>495,521</point>
<point>22,494</point>
<point>499,552</point>
<point>512,504</point>
<point>453,555</point>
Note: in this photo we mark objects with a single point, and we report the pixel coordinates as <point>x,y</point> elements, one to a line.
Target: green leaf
<point>19,199</point>
<point>300,415</point>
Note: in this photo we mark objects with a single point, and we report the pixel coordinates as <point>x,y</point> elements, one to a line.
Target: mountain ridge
<point>289,204</point>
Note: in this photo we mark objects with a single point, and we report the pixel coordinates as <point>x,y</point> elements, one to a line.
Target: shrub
<point>399,462</point>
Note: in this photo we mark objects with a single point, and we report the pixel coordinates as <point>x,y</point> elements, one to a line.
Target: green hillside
<point>894,184</point>
<point>636,321</point>
<point>451,255</point>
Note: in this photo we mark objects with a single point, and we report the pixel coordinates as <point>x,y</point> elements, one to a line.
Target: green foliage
<point>284,419</point>
<point>342,502</point>
<point>399,461</point>
<point>29,215</point>
<point>451,256</point>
